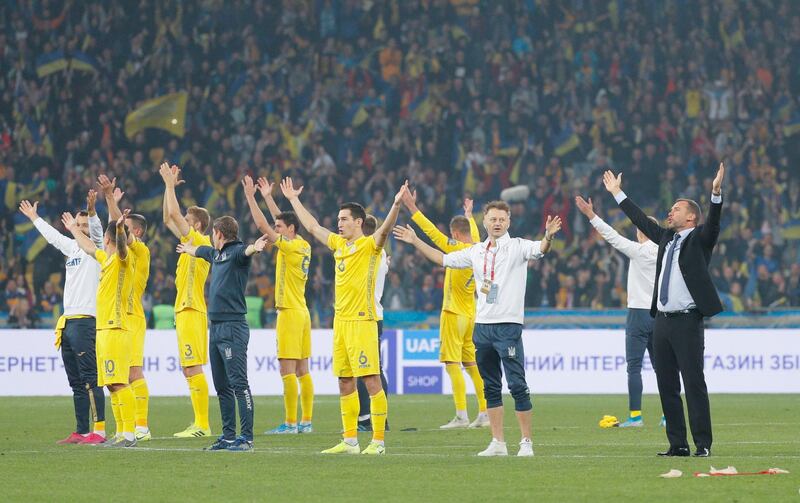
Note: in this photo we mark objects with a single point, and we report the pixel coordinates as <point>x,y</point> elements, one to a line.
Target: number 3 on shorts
<point>188,352</point>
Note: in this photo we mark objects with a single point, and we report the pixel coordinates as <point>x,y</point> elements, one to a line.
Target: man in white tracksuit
<point>75,329</point>
<point>639,325</point>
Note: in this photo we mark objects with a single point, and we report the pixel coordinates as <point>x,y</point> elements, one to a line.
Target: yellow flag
<point>166,112</point>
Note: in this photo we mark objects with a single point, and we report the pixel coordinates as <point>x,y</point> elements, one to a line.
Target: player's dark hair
<point>111,231</point>
<point>202,216</point>
<point>460,224</point>
<point>370,225</point>
<point>694,209</point>
<point>82,213</point>
<point>139,222</point>
<point>356,210</point>
<point>228,227</point>
<point>497,205</point>
<point>289,218</point>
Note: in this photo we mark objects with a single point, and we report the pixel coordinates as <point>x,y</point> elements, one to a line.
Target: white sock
<point>84,435</point>
<point>462,414</point>
<point>351,441</point>
<point>365,417</point>
<point>525,440</point>
<point>102,433</point>
<point>498,441</point>
<point>128,436</point>
<point>142,429</point>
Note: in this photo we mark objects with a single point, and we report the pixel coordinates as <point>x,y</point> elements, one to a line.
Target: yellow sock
<point>198,392</point>
<point>459,387</point>
<point>142,401</point>
<point>306,397</point>
<point>290,398</point>
<point>127,406</point>
<point>115,411</point>
<point>379,407</point>
<point>477,381</point>
<point>636,413</point>
<point>349,406</point>
<point>100,427</point>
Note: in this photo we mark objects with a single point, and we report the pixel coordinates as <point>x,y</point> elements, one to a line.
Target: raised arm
<point>473,227</point>
<point>64,244</point>
<point>709,232</point>
<point>407,235</point>
<point>122,238</point>
<point>95,225</point>
<point>266,192</point>
<point>307,220</point>
<point>391,218</point>
<point>81,239</point>
<point>255,211</point>
<point>652,230</point>
<point>551,227</point>
<point>257,247</point>
<point>108,187</point>
<point>166,219</point>
<point>171,180</point>
<point>624,245</point>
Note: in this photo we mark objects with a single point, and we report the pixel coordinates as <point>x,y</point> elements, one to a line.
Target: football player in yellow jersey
<point>355,329</point>
<point>113,339</point>
<point>293,327</point>
<point>191,318</point>
<point>137,324</point>
<point>458,312</point>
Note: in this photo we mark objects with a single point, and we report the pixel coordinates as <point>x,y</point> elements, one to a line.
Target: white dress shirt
<point>83,271</point>
<point>680,299</point>
<point>380,281</point>
<point>642,268</point>
<point>510,257</point>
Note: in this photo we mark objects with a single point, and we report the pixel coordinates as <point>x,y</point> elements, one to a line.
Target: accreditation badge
<point>486,286</point>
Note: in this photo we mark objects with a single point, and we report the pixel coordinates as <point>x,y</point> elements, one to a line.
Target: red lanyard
<point>494,257</point>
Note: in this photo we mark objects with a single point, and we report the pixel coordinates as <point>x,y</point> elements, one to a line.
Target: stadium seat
<point>164,317</point>
<point>254,306</point>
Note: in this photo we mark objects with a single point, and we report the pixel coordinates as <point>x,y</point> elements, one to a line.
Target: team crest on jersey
<point>340,266</point>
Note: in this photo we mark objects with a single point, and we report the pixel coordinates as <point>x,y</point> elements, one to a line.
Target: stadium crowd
<point>352,96</point>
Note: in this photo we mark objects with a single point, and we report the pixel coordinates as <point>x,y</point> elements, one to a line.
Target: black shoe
<point>702,452</point>
<point>680,452</point>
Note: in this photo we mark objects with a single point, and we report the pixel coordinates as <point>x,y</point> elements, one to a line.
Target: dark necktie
<point>664,292</point>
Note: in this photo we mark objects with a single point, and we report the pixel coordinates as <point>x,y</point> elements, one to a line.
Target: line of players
<point>122,261</point>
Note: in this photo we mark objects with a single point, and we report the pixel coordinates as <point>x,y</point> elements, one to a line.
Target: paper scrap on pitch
<point>672,474</point>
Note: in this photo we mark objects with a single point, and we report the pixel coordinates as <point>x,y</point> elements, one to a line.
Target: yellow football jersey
<point>291,272</point>
<point>114,290</point>
<point>140,255</point>
<point>459,285</point>
<point>190,278</point>
<point>356,266</point>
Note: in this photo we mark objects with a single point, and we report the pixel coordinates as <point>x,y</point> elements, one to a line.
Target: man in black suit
<point>682,295</point>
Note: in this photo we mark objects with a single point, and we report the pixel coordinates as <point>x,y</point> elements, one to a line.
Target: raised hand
<point>289,192</point>
<point>69,221</point>
<point>176,173</point>
<point>265,187</point>
<point>613,183</point>
<point>249,186</point>
<point>117,195</point>
<point>186,248</point>
<point>29,210</point>
<point>121,219</point>
<point>400,193</point>
<point>91,201</point>
<point>410,200</point>
<point>165,173</point>
<point>716,185</point>
<point>106,186</point>
<point>587,208</point>
<point>405,234</point>
<point>467,207</point>
<point>551,226</point>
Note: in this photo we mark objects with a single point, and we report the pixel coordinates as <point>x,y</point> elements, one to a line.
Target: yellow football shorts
<point>455,331</point>
<point>113,349</point>
<point>192,329</point>
<point>293,330</point>
<point>355,348</point>
<point>136,329</point>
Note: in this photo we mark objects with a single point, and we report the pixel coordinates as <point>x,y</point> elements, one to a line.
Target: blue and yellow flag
<point>166,112</point>
<point>30,241</point>
<point>51,62</point>
<point>565,142</point>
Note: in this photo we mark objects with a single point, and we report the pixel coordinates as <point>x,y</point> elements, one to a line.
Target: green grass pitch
<point>575,459</point>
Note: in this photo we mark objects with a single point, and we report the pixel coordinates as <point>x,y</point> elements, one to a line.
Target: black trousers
<point>80,363</point>
<point>498,347</point>
<point>363,394</point>
<point>678,346</point>
<point>228,356</point>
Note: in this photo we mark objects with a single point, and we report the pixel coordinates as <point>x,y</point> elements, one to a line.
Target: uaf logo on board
<point>421,345</point>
